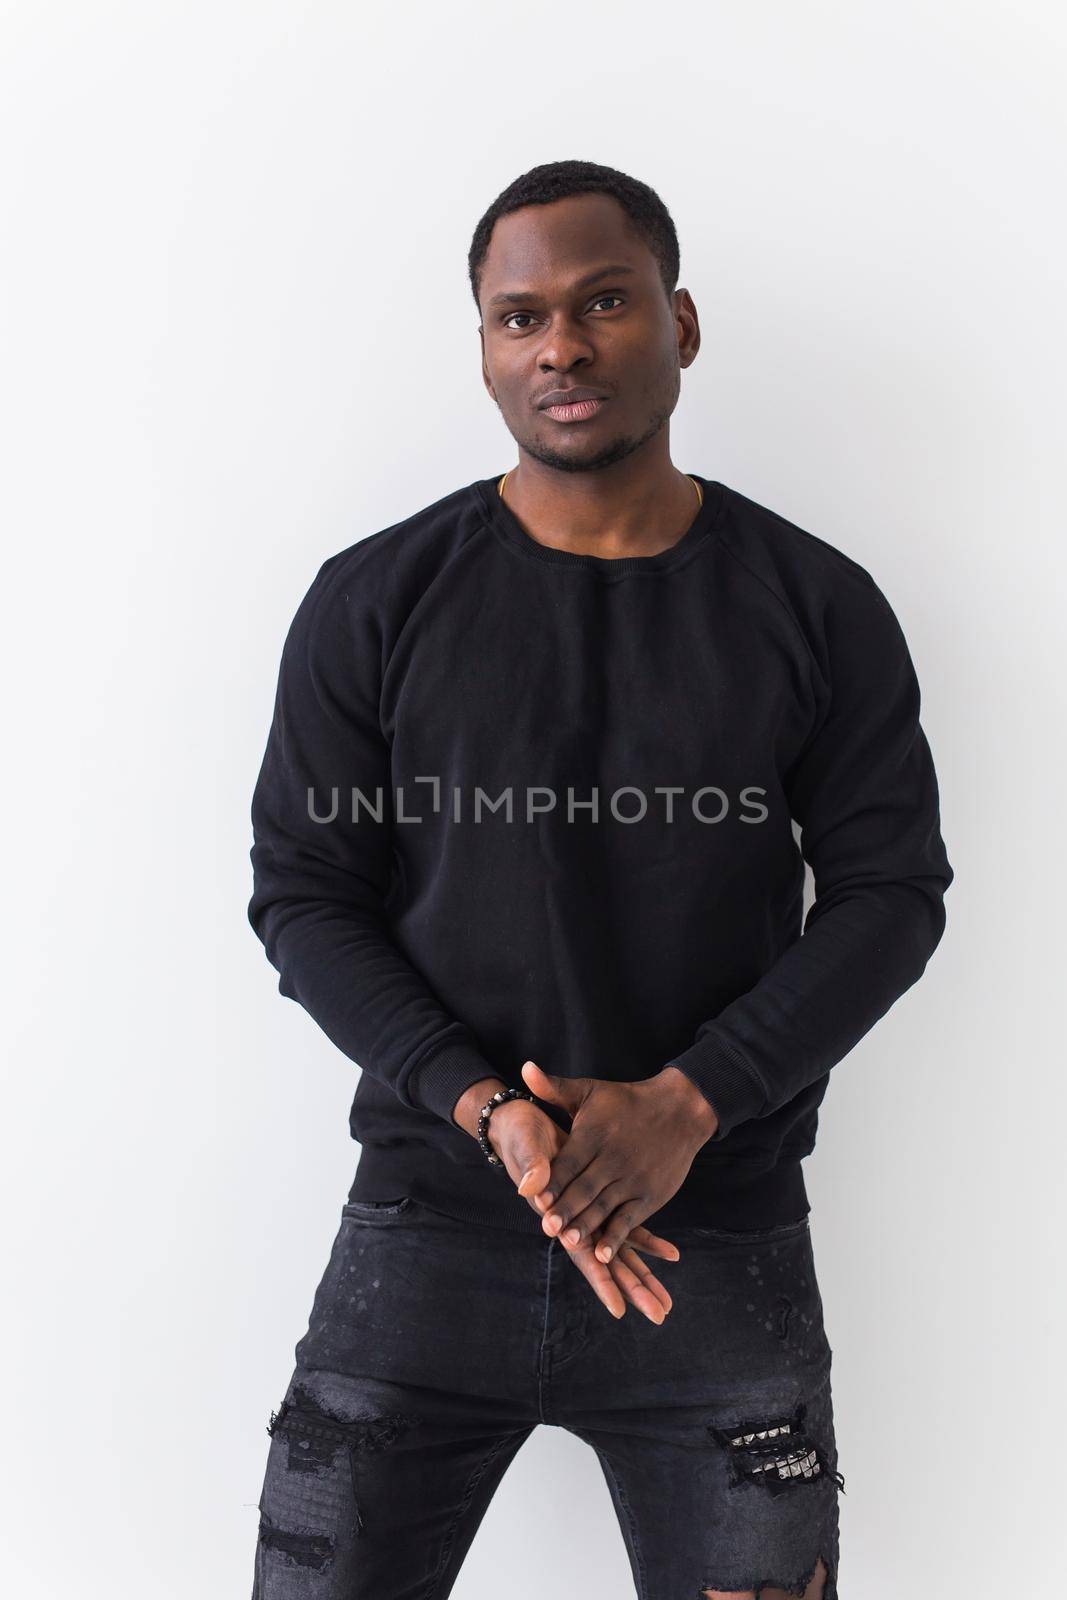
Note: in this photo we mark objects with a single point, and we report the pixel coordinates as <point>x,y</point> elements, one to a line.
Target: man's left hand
<point>628,1151</point>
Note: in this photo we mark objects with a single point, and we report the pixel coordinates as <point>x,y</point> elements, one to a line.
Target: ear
<point>485,373</point>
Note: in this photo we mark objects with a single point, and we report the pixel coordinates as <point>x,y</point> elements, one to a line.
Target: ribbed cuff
<point>443,1075</point>
<point>724,1079</point>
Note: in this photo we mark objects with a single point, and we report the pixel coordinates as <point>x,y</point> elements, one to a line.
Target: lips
<point>575,410</point>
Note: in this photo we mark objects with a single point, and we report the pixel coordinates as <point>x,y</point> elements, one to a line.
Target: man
<point>524,828</point>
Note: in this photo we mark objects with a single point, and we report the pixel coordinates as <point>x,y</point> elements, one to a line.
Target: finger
<point>601,1281</point>
<point>650,1243</point>
<point>653,1244</point>
<point>585,1222</point>
<point>640,1286</point>
<point>576,1150</point>
<point>637,1292</point>
<point>569,1163</point>
<point>613,1234</point>
<point>533,1168</point>
<point>528,1151</point>
<point>577,1179</point>
<point>535,1177</point>
<point>623,1210</point>
<point>566,1093</point>
<point>626,1277</point>
<point>632,1262</point>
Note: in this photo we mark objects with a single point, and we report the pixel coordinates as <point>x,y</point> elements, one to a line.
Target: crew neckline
<point>506,526</point>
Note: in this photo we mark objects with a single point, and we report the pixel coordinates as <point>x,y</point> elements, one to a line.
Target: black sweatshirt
<point>518,802</point>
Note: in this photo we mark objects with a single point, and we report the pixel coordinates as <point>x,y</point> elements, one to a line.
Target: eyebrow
<point>518,296</point>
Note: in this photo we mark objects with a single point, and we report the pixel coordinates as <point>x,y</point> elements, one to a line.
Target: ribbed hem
<point>717,1192</point>
<point>724,1079</point>
<point>443,1075</point>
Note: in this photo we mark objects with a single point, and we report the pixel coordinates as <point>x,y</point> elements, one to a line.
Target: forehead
<point>544,246</point>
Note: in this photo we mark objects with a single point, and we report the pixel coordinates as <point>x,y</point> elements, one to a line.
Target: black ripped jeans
<point>436,1346</point>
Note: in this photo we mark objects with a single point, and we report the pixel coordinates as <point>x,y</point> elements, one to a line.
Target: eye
<point>528,315</point>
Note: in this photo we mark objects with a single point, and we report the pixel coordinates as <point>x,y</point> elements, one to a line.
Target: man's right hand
<point>527,1141</point>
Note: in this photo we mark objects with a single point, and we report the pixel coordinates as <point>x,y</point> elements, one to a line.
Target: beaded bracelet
<point>487,1111</point>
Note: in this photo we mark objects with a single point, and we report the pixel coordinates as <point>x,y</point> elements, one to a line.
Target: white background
<point>236,336</point>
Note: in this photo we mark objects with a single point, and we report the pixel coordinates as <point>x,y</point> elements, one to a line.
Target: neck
<point>602,513</point>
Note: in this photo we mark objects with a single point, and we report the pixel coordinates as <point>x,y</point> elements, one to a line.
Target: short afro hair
<point>558,180</point>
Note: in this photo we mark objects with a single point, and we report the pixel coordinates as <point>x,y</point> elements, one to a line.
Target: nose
<point>565,346</point>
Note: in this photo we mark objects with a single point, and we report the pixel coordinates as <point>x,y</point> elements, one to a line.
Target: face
<point>571,295</point>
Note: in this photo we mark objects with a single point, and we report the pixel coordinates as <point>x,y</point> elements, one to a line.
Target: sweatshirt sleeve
<point>865,795</point>
<point>319,886</point>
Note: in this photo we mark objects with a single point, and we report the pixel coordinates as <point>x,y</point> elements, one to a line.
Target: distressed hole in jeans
<point>774,1452</point>
<point>311,1550</point>
<point>810,1586</point>
<point>316,1436</point>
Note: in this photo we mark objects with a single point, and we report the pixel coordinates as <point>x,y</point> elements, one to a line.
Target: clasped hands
<point>628,1150</point>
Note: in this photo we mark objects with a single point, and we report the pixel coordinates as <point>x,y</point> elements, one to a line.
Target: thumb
<point>565,1092</point>
<point>527,1147</point>
<point>536,1176</point>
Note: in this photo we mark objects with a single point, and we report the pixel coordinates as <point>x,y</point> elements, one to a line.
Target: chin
<point>585,457</point>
